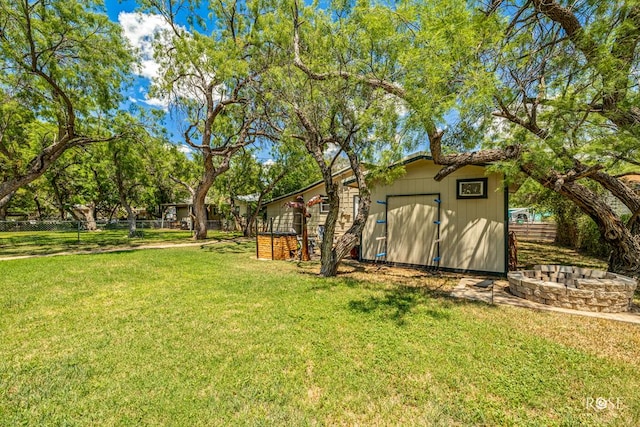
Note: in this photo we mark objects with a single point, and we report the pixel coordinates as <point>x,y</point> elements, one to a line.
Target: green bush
<point>588,239</point>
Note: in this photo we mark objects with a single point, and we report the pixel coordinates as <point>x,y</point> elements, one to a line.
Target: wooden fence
<point>534,231</point>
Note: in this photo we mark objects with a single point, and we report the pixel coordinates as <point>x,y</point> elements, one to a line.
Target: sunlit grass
<point>211,336</point>
<point>49,242</point>
<point>531,253</point>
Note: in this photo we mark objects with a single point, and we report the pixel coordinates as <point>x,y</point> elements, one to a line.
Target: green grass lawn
<point>50,242</point>
<point>532,253</point>
<point>211,336</point>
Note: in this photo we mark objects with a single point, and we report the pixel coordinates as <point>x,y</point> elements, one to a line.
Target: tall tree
<point>359,57</point>
<point>15,121</point>
<point>131,162</point>
<point>64,62</point>
<point>334,118</point>
<point>569,94</point>
<point>210,80</point>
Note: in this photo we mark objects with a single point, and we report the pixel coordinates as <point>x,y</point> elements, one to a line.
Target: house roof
<point>187,202</point>
<point>308,187</point>
<point>249,197</point>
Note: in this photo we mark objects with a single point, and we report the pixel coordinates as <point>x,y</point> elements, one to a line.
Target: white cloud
<point>156,102</point>
<point>185,149</point>
<point>141,30</point>
<point>332,150</point>
<point>269,163</point>
<point>145,30</point>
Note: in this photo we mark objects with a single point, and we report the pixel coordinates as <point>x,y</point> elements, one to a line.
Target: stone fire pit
<point>573,287</point>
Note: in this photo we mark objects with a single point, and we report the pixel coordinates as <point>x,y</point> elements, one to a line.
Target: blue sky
<point>139,30</point>
<point>114,7</point>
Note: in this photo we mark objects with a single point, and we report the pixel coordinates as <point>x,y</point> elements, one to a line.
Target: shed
<point>459,223</point>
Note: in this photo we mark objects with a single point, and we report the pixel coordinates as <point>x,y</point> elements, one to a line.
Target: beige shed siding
<point>283,217</point>
<point>472,231</point>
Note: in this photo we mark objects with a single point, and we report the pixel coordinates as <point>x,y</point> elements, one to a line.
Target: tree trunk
<point>41,162</point>
<point>131,219</point>
<point>4,202</point>
<point>86,213</point>
<point>38,207</point>
<point>304,246</point>
<point>211,172</point>
<point>328,261</point>
<point>200,211</point>
<point>58,195</point>
<point>122,195</point>
<point>625,194</point>
<point>332,255</point>
<point>248,228</point>
<point>625,246</point>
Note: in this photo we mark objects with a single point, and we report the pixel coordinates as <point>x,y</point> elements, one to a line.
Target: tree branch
<point>186,185</point>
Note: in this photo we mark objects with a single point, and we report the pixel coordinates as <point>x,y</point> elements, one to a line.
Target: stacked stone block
<point>574,287</point>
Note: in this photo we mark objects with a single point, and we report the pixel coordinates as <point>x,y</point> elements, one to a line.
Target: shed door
<point>411,231</point>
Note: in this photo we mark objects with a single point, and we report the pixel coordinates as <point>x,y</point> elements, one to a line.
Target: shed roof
<point>420,155</point>
<point>308,187</point>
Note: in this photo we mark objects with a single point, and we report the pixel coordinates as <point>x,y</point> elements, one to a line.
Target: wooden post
<point>271,226</point>
<point>305,238</point>
<point>257,243</point>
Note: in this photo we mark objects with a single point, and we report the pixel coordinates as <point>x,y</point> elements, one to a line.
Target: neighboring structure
<point>244,204</point>
<point>459,223</point>
<point>527,215</point>
<point>179,215</point>
<point>633,181</point>
<point>528,225</point>
<point>287,220</point>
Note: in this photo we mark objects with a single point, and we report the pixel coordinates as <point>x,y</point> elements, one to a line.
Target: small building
<point>287,220</point>
<point>180,215</point>
<point>245,205</point>
<point>459,223</point>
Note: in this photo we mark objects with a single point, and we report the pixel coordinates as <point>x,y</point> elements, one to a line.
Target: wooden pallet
<point>284,246</point>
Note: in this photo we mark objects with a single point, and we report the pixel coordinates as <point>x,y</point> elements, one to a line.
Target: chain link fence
<point>17,226</point>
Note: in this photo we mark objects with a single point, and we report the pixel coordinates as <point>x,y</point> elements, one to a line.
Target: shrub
<point>588,238</point>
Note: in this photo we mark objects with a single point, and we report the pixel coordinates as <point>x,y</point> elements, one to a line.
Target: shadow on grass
<point>229,246</point>
<point>396,295</point>
<point>532,253</point>
<point>398,303</point>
